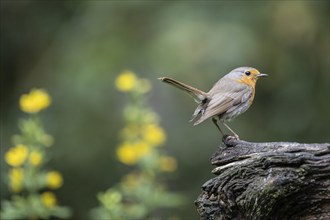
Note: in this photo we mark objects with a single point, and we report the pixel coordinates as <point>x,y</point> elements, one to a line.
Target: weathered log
<point>276,180</point>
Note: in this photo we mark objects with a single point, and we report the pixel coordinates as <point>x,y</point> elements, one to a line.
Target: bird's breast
<point>251,83</point>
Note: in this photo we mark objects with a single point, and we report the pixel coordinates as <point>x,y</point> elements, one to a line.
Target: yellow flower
<point>126,81</point>
<point>54,179</point>
<point>35,158</point>
<point>154,134</point>
<point>16,176</point>
<point>48,199</point>
<point>142,149</point>
<point>130,154</point>
<point>167,164</point>
<point>35,101</point>
<point>127,154</point>
<point>16,155</point>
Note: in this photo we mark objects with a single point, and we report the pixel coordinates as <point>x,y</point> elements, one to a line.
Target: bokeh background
<point>75,50</point>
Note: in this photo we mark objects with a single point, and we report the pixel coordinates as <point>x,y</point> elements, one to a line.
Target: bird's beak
<point>262,75</point>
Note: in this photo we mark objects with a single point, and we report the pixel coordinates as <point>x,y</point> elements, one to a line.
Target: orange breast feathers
<point>250,81</point>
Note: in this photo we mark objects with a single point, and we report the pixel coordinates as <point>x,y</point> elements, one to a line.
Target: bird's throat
<point>248,81</point>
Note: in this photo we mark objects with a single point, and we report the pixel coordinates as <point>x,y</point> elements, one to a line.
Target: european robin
<point>229,97</point>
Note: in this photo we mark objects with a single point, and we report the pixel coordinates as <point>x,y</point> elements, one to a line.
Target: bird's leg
<point>214,120</point>
<point>236,136</point>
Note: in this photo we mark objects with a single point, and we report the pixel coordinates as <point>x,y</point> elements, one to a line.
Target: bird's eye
<point>247,73</point>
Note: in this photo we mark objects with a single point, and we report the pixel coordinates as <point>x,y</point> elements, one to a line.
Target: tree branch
<point>275,180</point>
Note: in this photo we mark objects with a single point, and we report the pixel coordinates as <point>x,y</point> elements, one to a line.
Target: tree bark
<point>276,180</point>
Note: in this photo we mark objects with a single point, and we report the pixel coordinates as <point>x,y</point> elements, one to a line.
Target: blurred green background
<point>76,49</point>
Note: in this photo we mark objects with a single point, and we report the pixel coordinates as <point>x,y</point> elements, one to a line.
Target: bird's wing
<point>223,98</point>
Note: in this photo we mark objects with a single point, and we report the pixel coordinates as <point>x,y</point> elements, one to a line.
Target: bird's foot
<point>228,140</point>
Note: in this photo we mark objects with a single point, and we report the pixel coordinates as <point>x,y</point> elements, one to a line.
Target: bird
<point>229,97</point>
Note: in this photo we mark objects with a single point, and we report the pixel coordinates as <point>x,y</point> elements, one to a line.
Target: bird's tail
<point>198,95</point>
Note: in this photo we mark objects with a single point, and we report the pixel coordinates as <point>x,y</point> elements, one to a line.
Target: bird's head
<point>246,75</point>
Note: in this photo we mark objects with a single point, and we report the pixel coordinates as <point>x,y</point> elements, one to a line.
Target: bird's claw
<point>227,139</point>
